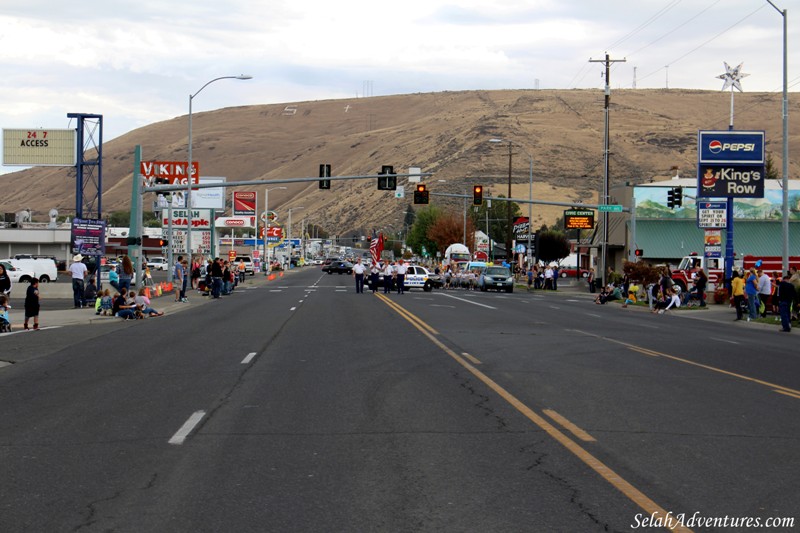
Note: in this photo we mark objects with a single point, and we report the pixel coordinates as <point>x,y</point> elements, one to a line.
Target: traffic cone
<point>147,292</point>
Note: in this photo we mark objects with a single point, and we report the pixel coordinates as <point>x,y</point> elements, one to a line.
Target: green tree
<point>553,246</point>
<point>418,234</point>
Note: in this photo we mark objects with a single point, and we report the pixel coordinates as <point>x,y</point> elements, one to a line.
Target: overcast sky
<point>136,61</point>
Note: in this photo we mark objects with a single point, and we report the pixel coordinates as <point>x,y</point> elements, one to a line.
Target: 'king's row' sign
<point>730,164</point>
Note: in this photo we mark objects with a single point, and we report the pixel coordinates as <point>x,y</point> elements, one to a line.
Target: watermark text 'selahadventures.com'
<point>696,520</point>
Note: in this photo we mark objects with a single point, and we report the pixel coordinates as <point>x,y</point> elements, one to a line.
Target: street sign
<point>610,208</point>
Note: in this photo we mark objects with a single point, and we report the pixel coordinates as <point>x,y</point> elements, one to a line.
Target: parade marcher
<point>388,277</point>
<point>401,276</point>
<point>374,272</point>
<point>358,273</point>
<point>786,296</point>
<point>32,304</point>
<point>78,272</point>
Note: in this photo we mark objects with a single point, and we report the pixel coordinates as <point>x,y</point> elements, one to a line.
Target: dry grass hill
<point>446,133</point>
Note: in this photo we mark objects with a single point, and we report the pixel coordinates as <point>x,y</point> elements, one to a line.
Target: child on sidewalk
<point>5,320</point>
<point>32,304</point>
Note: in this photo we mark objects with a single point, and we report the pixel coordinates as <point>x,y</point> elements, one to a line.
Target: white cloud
<point>136,62</point>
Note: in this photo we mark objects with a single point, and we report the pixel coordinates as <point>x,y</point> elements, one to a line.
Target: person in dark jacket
<point>786,295</point>
<point>5,281</point>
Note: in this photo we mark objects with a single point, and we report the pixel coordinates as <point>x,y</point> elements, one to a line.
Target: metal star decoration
<point>732,76</point>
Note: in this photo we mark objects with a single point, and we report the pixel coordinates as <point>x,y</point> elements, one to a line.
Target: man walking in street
<point>401,276</point>
<point>358,273</point>
<point>78,272</point>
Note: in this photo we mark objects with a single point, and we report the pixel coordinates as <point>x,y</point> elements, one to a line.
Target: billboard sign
<point>578,219</point>
<point>209,197</point>
<point>88,237</point>
<point>712,243</point>
<point>201,218</point>
<point>168,172</point>
<point>244,203</point>
<point>730,164</point>
<point>40,147</point>
<point>521,227</point>
<point>712,214</point>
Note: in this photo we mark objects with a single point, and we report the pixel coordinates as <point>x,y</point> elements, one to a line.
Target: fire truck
<point>715,267</point>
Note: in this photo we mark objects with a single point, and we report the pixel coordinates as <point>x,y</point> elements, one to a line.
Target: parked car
<point>248,264</point>
<point>496,277</point>
<point>44,268</point>
<point>157,263</point>
<point>104,269</point>
<point>416,277</point>
<point>17,275</point>
<point>338,267</point>
<point>571,271</point>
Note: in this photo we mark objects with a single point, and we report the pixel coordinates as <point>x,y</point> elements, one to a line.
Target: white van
<point>44,269</point>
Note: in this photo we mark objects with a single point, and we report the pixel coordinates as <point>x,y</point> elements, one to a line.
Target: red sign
<point>231,255</point>
<point>244,203</point>
<point>172,172</point>
<point>274,231</point>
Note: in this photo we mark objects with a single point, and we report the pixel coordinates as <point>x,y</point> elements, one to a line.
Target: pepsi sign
<point>735,147</point>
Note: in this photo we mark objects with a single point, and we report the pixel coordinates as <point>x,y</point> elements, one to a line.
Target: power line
<point>645,24</point>
<point>676,28</point>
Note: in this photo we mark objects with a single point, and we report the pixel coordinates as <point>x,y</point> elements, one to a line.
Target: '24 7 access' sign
<point>730,164</point>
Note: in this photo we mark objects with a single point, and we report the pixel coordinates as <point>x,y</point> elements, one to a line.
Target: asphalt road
<point>302,406</point>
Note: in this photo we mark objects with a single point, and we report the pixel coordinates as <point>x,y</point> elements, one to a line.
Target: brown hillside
<point>445,133</point>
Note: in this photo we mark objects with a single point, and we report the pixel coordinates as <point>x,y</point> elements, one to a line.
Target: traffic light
<point>387,183</point>
<point>134,241</point>
<point>421,194</point>
<point>638,252</point>
<point>324,172</point>
<point>671,198</point>
<point>678,200</point>
<point>163,243</point>
<point>477,194</point>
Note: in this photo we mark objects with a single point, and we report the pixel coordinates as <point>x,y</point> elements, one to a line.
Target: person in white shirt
<point>388,277</point>
<point>78,272</point>
<point>374,270</point>
<point>401,275</point>
<point>358,273</point>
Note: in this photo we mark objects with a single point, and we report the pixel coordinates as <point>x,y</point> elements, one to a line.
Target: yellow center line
<point>406,314</point>
<point>569,426</point>
<point>474,360</point>
<point>777,388</point>
<point>631,492</point>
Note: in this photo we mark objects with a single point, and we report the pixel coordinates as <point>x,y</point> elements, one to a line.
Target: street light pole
<point>268,268</point>
<point>530,192</point>
<point>785,181</point>
<point>290,233</point>
<point>188,198</point>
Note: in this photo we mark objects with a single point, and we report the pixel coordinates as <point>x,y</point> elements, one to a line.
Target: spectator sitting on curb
<point>143,304</point>
<point>121,308</point>
<point>632,290</point>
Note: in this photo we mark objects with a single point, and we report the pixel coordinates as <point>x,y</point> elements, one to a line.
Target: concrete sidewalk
<point>66,315</point>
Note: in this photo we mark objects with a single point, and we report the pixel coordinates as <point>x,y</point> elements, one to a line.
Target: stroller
<point>5,321</point>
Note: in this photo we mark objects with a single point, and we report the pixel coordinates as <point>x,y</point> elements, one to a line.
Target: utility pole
<point>605,197</point>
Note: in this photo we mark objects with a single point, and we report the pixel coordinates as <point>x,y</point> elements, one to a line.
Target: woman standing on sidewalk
<point>737,291</point>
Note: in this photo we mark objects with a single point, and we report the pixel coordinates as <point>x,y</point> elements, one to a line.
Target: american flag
<point>376,246</point>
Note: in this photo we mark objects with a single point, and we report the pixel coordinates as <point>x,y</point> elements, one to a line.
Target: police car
<point>417,277</point>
